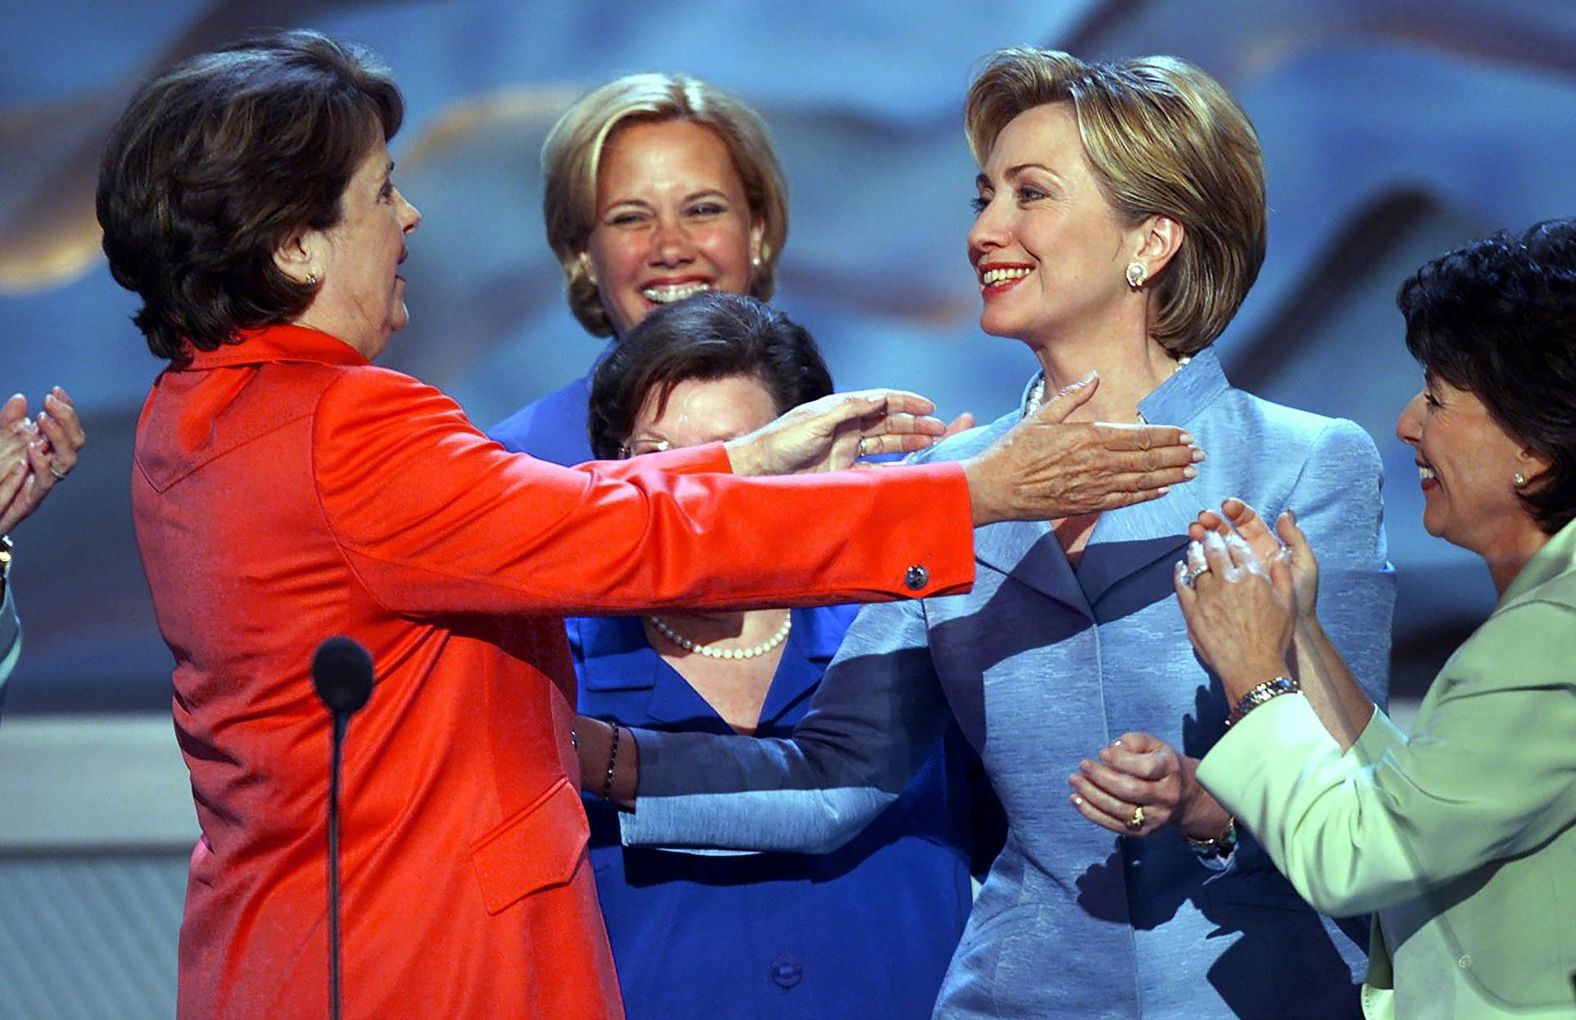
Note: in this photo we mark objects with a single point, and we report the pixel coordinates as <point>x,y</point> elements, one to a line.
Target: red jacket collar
<point>280,343</point>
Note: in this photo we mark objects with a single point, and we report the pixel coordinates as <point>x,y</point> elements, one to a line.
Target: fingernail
<point>1195,549</point>
<point>1292,514</point>
<point>1213,539</point>
<point>1089,377</point>
<point>1190,472</point>
<point>1187,438</point>
<point>1077,800</point>
<point>1198,455</point>
<point>1117,742</point>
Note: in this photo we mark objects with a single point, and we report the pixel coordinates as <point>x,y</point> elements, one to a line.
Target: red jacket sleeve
<point>435,518</point>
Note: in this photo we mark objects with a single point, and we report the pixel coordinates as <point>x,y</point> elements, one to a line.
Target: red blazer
<point>285,490</point>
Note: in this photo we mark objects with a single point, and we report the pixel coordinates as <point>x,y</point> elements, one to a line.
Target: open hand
<point>1047,468</point>
<point>833,432</point>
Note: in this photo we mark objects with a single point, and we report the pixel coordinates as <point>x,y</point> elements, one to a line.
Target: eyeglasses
<point>642,446</point>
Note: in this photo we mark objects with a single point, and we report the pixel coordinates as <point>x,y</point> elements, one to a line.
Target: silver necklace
<point>713,652</point>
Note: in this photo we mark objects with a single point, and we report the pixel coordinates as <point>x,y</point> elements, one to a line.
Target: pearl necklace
<point>711,652</point>
<point>1037,395</point>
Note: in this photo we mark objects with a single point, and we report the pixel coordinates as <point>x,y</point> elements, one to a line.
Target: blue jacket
<point>866,931</point>
<point>1042,665</point>
<point>552,428</point>
<point>862,933</point>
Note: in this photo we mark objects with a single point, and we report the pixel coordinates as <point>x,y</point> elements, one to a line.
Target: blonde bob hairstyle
<point>572,155</point>
<point>1162,137</point>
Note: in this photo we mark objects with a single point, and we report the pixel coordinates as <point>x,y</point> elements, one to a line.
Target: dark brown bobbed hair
<point>1497,318</point>
<point>219,161</point>
<point>713,335</point>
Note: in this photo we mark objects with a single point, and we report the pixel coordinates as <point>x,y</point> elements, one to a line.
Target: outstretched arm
<point>875,719</point>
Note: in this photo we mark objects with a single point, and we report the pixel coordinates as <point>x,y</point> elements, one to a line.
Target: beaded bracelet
<point>612,765</point>
<point>1259,695</point>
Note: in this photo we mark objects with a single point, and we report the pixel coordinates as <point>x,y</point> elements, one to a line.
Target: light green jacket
<point>1462,839</point>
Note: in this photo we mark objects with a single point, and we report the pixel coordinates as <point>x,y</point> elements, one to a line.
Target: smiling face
<point>702,411</point>
<point>361,296</point>
<point>671,220</point>
<point>1466,462</point>
<point>1048,249</point>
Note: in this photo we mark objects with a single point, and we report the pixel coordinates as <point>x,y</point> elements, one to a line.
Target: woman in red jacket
<point>285,489</point>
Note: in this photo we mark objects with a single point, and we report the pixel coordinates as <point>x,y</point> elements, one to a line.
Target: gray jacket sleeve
<point>10,640</point>
<point>873,722</point>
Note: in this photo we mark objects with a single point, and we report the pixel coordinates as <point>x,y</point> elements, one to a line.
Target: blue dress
<point>862,933</point>
<point>1042,664</point>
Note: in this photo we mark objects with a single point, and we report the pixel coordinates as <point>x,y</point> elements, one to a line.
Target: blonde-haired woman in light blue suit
<point>1462,837</point>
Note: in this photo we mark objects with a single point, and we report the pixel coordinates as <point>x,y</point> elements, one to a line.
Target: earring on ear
<point>755,262</point>
<point>1519,480</point>
<point>311,279</point>
<point>1136,274</point>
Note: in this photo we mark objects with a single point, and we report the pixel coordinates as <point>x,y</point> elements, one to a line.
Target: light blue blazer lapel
<point>1127,541</point>
<point>1027,552</point>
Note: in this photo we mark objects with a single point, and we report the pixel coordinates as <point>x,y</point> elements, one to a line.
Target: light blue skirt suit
<point>1042,665</point>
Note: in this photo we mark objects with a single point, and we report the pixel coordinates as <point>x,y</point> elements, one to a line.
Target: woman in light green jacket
<point>1460,839</point>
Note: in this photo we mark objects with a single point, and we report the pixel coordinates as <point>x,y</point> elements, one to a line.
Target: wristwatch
<point>1266,691</point>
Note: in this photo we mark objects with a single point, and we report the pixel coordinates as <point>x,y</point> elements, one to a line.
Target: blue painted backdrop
<point>1391,130</point>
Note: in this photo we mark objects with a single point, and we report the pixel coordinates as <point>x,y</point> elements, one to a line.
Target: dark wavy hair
<point>712,335</point>
<point>219,161</point>
<point>1498,318</point>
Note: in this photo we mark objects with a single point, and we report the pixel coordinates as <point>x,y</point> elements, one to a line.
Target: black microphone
<point>342,674</point>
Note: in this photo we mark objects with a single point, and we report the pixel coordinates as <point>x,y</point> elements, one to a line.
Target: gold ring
<point>1137,821</point>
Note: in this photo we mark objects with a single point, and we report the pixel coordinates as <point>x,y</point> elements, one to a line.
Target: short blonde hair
<point>1162,137</point>
<point>572,156</point>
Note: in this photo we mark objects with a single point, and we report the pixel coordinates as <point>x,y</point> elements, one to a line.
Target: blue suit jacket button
<point>787,971</point>
<point>916,578</point>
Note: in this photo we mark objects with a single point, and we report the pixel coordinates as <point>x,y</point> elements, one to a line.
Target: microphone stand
<point>342,674</point>
<point>341,719</point>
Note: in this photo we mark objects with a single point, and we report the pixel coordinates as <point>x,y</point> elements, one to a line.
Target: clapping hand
<point>1286,541</point>
<point>35,455</point>
<point>1240,611</point>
